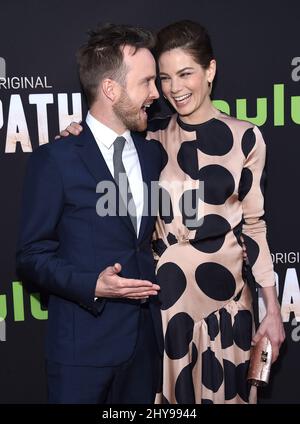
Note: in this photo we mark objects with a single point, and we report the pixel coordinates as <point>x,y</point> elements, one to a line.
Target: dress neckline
<point>193,127</point>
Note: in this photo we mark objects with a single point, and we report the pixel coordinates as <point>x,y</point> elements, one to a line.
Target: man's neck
<point>109,120</point>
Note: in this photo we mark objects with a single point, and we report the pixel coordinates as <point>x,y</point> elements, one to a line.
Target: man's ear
<point>110,89</point>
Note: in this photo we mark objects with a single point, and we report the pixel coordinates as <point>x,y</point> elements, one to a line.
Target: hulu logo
<point>18,304</point>
<point>263,106</point>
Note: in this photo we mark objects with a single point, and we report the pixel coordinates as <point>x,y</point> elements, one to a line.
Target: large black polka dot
<point>171,238</point>
<point>212,371</point>
<point>184,387</point>
<point>164,154</point>
<point>179,335</point>
<point>262,182</point>
<point>159,246</point>
<point>211,234</point>
<point>206,401</point>
<point>158,124</point>
<point>214,137</point>
<point>248,141</point>
<point>235,380</point>
<point>242,329</point>
<point>218,184</point>
<point>187,159</point>
<point>252,249</point>
<point>212,326</point>
<point>172,283</point>
<point>213,226</point>
<point>215,281</point>
<point>188,205</point>
<point>230,383</point>
<point>243,387</point>
<point>165,400</point>
<point>165,206</point>
<point>245,183</point>
<point>226,329</point>
<point>237,231</point>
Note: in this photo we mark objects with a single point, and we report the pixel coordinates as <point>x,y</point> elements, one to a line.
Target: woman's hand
<point>271,326</point>
<point>74,129</point>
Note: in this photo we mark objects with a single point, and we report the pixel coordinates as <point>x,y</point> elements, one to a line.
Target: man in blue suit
<point>104,337</point>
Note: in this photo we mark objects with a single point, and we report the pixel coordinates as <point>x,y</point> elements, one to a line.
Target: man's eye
<point>164,78</point>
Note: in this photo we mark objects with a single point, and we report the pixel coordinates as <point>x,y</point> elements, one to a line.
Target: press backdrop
<point>258,55</point>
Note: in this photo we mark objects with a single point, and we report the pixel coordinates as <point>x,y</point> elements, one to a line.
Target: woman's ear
<point>211,71</point>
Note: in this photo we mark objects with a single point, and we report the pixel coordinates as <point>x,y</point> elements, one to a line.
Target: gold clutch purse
<point>260,363</point>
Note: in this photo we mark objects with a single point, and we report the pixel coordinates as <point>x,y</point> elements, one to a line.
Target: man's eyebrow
<point>150,77</point>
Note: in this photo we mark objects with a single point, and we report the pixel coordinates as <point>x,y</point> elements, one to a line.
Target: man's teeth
<point>181,98</point>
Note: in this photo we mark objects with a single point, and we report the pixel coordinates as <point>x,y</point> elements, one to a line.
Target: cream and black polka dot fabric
<point>205,304</point>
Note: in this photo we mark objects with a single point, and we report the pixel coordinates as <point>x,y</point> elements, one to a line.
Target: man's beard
<point>129,114</point>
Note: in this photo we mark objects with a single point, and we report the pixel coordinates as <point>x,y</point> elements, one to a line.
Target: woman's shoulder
<point>240,129</point>
<point>245,133</point>
<point>232,121</point>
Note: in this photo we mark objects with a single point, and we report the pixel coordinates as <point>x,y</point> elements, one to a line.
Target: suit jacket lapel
<point>139,143</point>
<point>95,163</point>
<point>92,156</point>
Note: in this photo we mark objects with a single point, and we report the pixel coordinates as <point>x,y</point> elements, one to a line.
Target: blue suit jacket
<point>64,245</point>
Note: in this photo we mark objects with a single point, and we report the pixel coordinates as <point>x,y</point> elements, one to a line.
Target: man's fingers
<point>117,267</point>
<point>115,286</point>
<point>137,297</point>
<point>140,293</point>
<point>134,283</point>
<point>112,270</point>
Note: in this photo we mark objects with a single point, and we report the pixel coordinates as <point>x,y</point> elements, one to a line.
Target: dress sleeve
<point>254,226</point>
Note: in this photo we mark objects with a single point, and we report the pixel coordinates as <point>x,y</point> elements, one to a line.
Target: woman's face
<point>185,84</point>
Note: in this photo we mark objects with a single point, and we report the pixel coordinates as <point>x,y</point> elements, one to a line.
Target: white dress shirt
<point>105,138</point>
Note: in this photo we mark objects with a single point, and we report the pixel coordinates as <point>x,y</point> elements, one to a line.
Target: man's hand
<point>110,284</point>
<point>74,129</point>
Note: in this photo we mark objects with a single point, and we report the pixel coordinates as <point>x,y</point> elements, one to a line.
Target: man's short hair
<point>102,56</point>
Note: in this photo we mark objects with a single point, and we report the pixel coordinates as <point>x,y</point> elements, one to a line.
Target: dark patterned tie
<point>122,180</point>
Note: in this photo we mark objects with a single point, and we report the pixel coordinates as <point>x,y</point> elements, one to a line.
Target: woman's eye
<point>185,74</point>
<point>164,78</point>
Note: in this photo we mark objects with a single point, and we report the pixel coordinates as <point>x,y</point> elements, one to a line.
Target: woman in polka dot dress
<point>216,162</point>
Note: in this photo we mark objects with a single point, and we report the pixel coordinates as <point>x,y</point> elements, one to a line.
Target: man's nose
<point>154,92</point>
